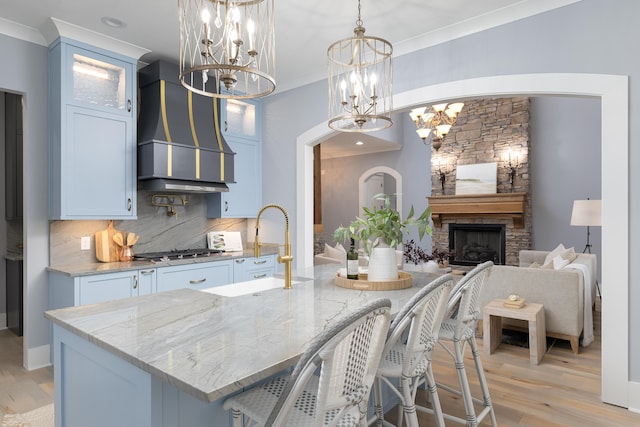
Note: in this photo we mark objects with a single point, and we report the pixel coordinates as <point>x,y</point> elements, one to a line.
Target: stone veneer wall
<point>485,132</point>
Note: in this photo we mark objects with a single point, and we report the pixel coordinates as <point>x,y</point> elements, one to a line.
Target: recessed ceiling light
<point>359,143</point>
<point>112,22</point>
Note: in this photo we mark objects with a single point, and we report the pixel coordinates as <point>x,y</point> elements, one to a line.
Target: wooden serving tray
<point>362,284</point>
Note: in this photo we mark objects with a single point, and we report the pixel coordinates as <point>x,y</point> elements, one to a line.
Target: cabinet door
<point>98,166</point>
<point>106,287</point>
<point>146,281</point>
<point>244,198</point>
<point>195,276</point>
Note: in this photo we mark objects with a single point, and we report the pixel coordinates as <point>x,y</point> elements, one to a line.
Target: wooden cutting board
<point>106,249</point>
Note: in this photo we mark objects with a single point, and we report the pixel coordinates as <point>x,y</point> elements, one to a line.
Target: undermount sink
<point>249,287</point>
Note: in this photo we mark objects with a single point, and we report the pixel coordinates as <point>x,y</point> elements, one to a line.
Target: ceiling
<point>304,28</point>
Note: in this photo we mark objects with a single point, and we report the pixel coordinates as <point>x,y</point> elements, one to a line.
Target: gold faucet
<point>282,259</point>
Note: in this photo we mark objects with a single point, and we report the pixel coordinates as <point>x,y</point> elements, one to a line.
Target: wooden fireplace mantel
<point>499,205</point>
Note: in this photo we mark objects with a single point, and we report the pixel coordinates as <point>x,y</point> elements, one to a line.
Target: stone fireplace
<point>492,130</point>
<point>477,243</point>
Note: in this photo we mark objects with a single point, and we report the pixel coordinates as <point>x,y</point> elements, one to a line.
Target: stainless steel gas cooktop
<point>175,254</point>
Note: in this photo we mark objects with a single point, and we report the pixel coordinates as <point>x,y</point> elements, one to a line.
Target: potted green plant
<point>383,228</point>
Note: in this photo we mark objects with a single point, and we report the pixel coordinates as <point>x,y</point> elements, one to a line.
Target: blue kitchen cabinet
<point>250,268</point>
<point>242,131</point>
<point>195,276</point>
<point>92,134</point>
<point>67,291</point>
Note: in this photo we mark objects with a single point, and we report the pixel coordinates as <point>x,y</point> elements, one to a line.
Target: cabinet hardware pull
<point>226,126</point>
<point>196,282</point>
<point>258,276</point>
<point>135,281</point>
<point>129,105</point>
<point>260,262</point>
<point>240,261</point>
<point>226,206</point>
<point>146,271</point>
<point>129,204</point>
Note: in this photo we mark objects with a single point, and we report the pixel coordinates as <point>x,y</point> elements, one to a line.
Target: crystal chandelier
<point>360,75</point>
<point>227,47</point>
<point>436,122</point>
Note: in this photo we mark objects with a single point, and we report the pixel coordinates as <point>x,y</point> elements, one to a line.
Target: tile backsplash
<point>157,230</point>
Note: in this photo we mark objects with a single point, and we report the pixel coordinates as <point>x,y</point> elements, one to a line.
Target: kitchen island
<point>170,359</point>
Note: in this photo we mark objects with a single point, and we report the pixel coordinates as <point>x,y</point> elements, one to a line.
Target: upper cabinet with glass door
<point>241,118</point>
<point>92,133</point>
<point>99,84</point>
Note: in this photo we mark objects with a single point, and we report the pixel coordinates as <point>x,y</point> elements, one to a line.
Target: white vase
<point>383,265</point>
<point>431,267</point>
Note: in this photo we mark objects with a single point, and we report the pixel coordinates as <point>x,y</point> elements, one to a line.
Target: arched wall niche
<point>362,193</point>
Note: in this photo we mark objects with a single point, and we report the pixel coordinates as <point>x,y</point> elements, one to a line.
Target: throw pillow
<point>547,266</point>
<point>569,254</point>
<point>559,262</point>
<point>337,253</point>
<point>554,253</point>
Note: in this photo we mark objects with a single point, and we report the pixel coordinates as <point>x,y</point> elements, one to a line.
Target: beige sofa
<point>560,291</point>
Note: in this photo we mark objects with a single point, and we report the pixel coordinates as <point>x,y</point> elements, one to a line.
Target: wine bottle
<point>352,262</point>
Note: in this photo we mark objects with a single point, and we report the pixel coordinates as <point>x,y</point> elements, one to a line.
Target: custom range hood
<point>180,143</point>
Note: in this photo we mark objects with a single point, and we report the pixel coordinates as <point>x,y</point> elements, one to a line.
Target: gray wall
<point>590,36</point>
<point>341,175</point>
<point>27,75</point>
<point>565,166</point>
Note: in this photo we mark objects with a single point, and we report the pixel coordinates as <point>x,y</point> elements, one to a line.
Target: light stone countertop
<point>74,270</point>
<point>210,346</point>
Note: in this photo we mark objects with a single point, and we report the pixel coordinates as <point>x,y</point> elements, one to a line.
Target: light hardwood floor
<point>564,390</point>
<point>21,390</point>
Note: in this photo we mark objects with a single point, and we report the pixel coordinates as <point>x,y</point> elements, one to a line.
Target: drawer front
<point>106,287</point>
<point>253,268</point>
<point>198,276</point>
<point>259,273</point>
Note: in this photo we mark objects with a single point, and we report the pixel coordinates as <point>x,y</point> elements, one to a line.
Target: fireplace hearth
<point>476,243</point>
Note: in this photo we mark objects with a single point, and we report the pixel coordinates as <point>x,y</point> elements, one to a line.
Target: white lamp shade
<point>587,212</point>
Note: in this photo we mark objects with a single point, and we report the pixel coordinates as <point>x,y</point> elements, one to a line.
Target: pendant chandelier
<point>436,122</point>
<point>360,75</point>
<point>227,47</point>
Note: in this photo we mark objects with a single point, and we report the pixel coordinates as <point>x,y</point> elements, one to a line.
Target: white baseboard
<point>634,396</point>
<point>38,357</point>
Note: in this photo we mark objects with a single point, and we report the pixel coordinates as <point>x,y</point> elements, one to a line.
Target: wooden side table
<point>533,313</point>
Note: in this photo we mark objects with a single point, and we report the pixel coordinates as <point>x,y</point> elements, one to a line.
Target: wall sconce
<point>511,165</point>
<point>441,172</point>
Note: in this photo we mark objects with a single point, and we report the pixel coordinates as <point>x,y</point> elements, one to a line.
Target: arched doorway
<point>613,93</point>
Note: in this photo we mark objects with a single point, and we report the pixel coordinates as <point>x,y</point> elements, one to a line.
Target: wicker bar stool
<point>458,329</point>
<point>407,354</point>
<point>346,355</point>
